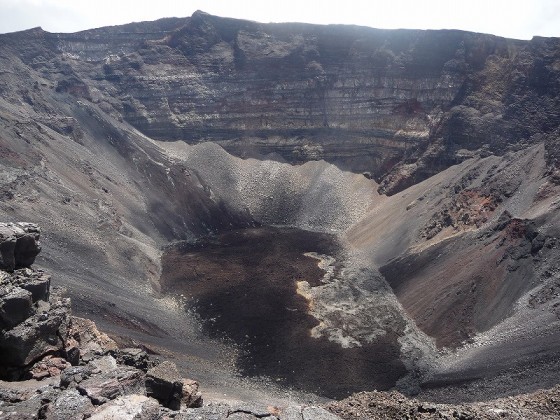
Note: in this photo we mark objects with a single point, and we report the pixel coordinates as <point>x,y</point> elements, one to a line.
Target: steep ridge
<point>460,129</point>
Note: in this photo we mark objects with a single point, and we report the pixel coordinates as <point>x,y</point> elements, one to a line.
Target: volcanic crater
<point>320,209</point>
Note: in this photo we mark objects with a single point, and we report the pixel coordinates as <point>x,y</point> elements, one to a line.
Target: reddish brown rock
<point>48,367</point>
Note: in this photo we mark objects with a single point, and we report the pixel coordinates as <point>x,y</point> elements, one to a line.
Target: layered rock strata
<point>397,105</point>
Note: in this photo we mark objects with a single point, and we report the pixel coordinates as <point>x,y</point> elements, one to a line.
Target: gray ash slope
<point>458,127</point>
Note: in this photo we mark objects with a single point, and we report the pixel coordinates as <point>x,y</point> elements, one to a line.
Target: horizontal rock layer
<point>401,105</point>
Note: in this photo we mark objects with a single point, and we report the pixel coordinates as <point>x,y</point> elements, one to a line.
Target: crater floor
<point>244,286</point>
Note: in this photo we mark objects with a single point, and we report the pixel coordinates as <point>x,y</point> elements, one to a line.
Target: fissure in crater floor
<point>243,285</point>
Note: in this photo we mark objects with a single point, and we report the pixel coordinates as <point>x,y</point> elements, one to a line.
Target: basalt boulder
<point>164,383</point>
<point>19,245</point>
<point>43,333</point>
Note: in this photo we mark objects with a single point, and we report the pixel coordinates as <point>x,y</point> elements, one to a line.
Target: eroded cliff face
<point>400,105</point>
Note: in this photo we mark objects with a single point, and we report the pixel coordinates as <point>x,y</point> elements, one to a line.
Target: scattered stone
<point>120,381</point>
<point>135,357</point>
<point>191,396</point>
<point>26,399</point>
<point>91,341</point>
<point>72,354</point>
<point>383,405</point>
<point>103,364</point>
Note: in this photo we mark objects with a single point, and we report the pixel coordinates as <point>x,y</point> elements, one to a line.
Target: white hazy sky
<point>510,18</point>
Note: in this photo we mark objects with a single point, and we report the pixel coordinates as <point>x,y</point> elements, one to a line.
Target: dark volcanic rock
<point>164,383</point>
<point>74,376</point>
<point>37,336</point>
<point>15,306</point>
<point>19,245</point>
<point>138,407</point>
<point>137,358</point>
<point>542,404</point>
<point>121,380</point>
<point>191,395</point>
<point>49,366</point>
<point>36,282</point>
<point>40,340</point>
<point>69,405</point>
<point>34,325</point>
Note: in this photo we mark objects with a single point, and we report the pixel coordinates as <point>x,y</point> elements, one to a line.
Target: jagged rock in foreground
<point>163,383</point>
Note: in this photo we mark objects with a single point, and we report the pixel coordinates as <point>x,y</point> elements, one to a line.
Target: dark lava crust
<point>243,285</point>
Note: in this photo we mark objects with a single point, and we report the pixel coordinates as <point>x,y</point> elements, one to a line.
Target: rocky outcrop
<point>19,245</point>
<point>163,383</point>
<point>385,405</point>
<point>59,366</point>
<point>35,323</point>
